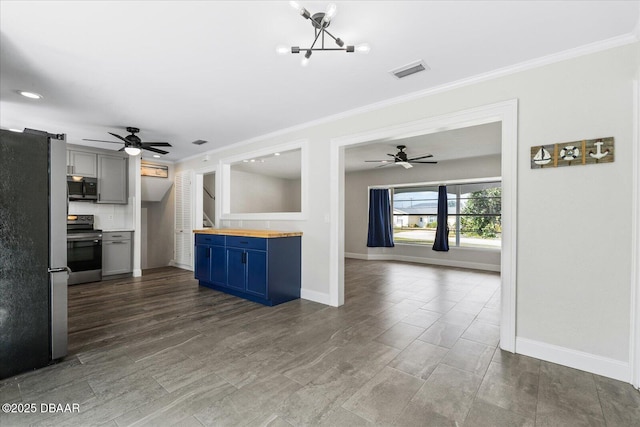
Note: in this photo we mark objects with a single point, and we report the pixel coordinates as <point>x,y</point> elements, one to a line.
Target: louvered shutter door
<point>183,229</point>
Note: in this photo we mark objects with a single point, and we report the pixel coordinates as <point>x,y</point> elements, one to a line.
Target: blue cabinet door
<point>236,268</point>
<point>257,273</point>
<point>218,265</point>
<point>203,263</point>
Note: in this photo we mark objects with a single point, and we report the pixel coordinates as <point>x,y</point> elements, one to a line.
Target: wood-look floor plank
<point>413,345</point>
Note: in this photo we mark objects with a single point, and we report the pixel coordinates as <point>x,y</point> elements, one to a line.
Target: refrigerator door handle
<point>59,270</point>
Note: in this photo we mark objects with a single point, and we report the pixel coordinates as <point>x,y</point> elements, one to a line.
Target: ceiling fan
<point>400,158</point>
<point>133,145</point>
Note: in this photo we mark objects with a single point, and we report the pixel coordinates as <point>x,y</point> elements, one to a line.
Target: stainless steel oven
<point>84,250</point>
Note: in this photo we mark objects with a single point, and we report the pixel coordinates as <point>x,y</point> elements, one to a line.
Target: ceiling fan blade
<point>156,144</point>
<point>100,140</point>
<point>421,157</point>
<point>122,149</point>
<point>155,150</point>
<point>384,165</point>
<point>118,136</point>
<point>429,162</point>
<point>378,161</point>
<point>405,165</point>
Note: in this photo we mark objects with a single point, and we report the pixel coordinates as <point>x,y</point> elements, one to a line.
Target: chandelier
<point>320,22</point>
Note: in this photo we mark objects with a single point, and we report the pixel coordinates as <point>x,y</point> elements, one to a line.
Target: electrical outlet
<point>110,217</point>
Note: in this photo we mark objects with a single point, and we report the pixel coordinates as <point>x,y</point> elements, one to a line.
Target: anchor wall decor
<point>585,152</point>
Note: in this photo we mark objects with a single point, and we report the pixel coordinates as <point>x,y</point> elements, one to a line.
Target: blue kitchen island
<point>259,265</point>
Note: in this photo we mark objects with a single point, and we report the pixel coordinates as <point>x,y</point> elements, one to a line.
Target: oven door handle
<point>86,237</point>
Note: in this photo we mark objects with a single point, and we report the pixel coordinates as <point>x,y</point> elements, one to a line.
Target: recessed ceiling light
<point>157,156</point>
<point>276,154</point>
<point>245,161</point>
<point>252,160</point>
<point>31,95</point>
<point>15,130</point>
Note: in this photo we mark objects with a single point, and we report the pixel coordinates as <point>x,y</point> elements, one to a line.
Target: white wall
<point>357,212</point>
<point>254,193</point>
<point>574,267</point>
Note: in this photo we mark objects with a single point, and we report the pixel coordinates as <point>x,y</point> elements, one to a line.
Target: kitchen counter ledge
<point>248,233</point>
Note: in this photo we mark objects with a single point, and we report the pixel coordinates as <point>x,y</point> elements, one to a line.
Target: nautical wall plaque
<point>585,152</point>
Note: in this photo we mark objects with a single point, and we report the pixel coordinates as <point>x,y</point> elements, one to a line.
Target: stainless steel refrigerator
<point>33,251</point>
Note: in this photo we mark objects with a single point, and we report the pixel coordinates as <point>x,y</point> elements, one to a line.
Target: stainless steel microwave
<point>82,188</point>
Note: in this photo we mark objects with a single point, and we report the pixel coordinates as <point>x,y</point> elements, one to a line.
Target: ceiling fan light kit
<point>320,21</point>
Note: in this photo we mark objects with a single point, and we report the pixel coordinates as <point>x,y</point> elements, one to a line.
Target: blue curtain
<point>441,242</point>
<point>380,227</point>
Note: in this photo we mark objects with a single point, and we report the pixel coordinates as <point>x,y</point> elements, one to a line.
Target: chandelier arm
<point>316,49</point>
<point>334,38</point>
<point>315,40</point>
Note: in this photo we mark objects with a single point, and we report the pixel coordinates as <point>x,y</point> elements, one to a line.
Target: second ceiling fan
<point>400,158</point>
<point>133,144</point>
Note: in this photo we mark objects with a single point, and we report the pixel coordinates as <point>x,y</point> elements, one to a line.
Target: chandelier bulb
<point>339,42</point>
<point>305,60</point>
<point>330,13</point>
<point>363,48</point>
<point>295,5</point>
<point>301,10</point>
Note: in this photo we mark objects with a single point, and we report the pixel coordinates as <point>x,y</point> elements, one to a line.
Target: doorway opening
<point>506,114</point>
<point>206,206</point>
<point>208,200</point>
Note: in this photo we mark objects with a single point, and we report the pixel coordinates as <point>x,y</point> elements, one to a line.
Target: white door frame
<point>505,112</point>
<point>634,344</point>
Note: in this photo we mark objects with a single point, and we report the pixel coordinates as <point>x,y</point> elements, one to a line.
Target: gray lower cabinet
<point>116,252</point>
<point>112,179</point>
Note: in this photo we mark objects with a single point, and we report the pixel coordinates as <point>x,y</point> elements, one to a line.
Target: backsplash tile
<point>107,217</point>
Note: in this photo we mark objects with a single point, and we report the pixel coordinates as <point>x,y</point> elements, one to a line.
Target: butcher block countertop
<point>248,233</point>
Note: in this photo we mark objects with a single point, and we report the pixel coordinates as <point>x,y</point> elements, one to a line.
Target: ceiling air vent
<point>199,142</point>
<point>407,70</point>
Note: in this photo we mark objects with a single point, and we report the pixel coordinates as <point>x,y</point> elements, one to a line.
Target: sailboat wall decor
<point>585,152</point>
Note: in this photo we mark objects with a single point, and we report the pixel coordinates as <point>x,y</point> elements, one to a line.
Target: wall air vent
<point>199,142</point>
<point>407,70</point>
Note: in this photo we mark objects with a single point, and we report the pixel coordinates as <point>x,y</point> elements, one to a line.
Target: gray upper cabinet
<point>82,163</point>
<point>112,179</point>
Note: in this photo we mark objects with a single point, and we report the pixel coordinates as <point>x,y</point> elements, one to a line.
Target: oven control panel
<point>80,220</point>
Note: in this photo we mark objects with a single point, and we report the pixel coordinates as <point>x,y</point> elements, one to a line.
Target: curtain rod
<point>449,182</point>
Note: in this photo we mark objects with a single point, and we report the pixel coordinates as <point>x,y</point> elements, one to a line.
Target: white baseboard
<point>137,272</point>
<point>588,362</point>
<point>421,260</point>
<point>356,256</point>
<point>173,263</point>
<point>315,296</point>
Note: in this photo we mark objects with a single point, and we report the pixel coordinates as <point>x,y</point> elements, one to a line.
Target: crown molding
<point>588,49</point>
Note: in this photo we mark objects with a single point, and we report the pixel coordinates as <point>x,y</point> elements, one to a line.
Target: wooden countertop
<point>248,233</point>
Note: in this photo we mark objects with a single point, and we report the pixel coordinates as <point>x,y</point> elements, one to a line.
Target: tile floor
<point>414,345</point>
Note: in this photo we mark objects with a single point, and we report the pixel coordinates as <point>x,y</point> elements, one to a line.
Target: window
<point>474,214</point>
